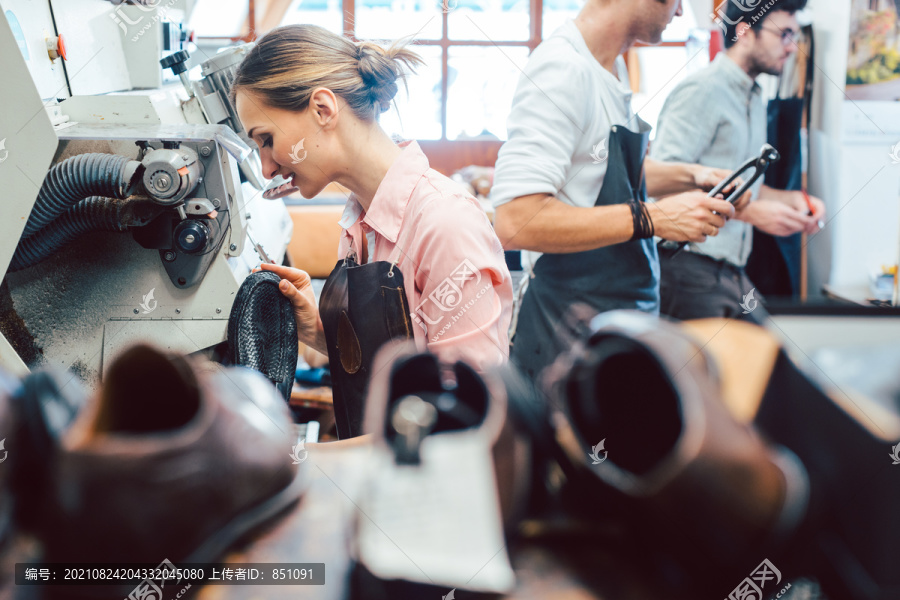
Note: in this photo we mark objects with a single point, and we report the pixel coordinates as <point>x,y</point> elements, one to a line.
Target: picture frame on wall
<point>873,59</point>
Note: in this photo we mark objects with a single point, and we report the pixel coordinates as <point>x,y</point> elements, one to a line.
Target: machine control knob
<point>56,47</point>
<point>191,236</point>
<point>170,175</point>
<point>161,182</point>
<point>176,61</point>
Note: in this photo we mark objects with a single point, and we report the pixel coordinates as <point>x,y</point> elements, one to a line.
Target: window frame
<point>447,155</point>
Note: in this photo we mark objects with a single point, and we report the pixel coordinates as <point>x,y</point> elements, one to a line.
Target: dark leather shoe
<point>698,483</point>
<point>47,403</point>
<point>847,433</point>
<point>8,385</point>
<point>170,459</point>
<point>262,333</point>
<point>34,412</point>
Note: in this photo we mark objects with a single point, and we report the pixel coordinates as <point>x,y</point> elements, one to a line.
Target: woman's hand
<point>297,287</point>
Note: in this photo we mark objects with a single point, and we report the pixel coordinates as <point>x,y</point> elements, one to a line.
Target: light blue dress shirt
<point>716,117</point>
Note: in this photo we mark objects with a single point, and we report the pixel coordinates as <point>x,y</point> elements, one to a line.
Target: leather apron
<point>621,276</point>
<point>362,307</point>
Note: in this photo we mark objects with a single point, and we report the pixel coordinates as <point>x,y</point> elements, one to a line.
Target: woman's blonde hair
<point>289,62</point>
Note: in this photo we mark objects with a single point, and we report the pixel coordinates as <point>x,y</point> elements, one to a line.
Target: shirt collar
<point>388,207</point>
<point>735,76</point>
<point>570,31</point>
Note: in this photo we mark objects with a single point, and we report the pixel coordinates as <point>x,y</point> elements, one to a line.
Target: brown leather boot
<point>170,460</point>
<point>638,410</point>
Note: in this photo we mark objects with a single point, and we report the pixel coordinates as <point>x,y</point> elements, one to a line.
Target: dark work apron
<point>362,307</point>
<point>614,277</point>
<point>774,262</point>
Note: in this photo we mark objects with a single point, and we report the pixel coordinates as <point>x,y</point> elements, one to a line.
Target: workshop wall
<point>850,164</point>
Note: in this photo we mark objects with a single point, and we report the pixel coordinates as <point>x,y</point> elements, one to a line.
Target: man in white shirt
<point>572,135</point>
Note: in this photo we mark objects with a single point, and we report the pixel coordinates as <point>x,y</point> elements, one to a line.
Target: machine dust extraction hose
<point>76,178</point>
<point>91,214</point>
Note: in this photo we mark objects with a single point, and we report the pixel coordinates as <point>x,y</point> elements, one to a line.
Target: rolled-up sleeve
<point>545,125</point>
<point>463,284</point>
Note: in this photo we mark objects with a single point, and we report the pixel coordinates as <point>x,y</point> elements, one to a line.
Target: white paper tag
<point>438,522</point>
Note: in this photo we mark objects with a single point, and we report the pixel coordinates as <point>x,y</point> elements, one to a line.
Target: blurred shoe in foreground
<point>170,460</point>
<point>8,385</point>
<point>34,412</point>
<point>447,473</point>
<point>637,411</point>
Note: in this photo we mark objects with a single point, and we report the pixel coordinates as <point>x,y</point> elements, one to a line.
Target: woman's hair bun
<point>379,73</point>
<point>290,62</point>
<point>381,68</point>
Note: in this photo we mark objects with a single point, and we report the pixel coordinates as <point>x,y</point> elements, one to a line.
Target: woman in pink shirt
<point>311,100</point>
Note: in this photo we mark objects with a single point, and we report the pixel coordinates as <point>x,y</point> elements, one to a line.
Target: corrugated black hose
<point>76,178</point>
<point>91,214</point>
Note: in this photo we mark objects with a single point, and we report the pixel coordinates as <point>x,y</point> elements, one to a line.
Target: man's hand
<point>818,212</point>
<point>778,218</point>
<point>706,178</point>
<point>689,217</point>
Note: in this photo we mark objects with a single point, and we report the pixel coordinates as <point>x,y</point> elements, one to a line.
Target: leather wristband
<point>640,216</point>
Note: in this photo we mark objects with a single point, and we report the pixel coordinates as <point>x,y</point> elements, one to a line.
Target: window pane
<point>482,81</point>
<point>492,20</point>
<point>557,12</point>
<point>218,18</point>
<point>661,70</point>
<point>325,13</point>
<point>396,19</point>
<point>417,116</point>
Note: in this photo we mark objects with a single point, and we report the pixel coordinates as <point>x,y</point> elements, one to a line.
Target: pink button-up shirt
<point>454,271</point>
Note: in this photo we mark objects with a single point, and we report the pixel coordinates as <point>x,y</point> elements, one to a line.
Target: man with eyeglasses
<point>716,117</point>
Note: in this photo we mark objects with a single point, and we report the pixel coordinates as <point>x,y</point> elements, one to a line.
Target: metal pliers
<point>767,155</point>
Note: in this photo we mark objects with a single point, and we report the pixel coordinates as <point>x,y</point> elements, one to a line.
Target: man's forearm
<point>542,223</point>
<point>788,197</point>
<point>667,178</point>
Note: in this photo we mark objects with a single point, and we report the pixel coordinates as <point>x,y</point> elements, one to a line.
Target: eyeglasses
<point>787,35</point>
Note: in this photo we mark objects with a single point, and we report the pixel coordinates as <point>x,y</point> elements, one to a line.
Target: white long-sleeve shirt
<point>564,106</point>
